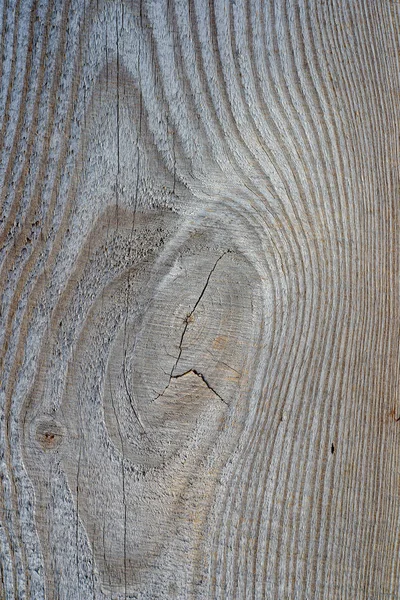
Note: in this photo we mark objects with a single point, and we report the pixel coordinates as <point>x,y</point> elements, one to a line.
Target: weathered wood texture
<point>200,299</point>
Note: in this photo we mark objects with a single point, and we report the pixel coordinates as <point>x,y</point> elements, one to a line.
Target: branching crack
<point>205,381</point>
<point>188,319</point>
<point>198,374</point>
<point>189,315</point>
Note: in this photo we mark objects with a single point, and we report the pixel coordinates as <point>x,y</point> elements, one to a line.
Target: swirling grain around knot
<point>155,393</point>
<point>199,263</point>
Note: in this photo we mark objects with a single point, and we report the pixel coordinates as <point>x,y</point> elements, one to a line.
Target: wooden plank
<point>200,299</point>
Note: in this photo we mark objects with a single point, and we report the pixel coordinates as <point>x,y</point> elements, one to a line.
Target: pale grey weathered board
<point>200,318</point>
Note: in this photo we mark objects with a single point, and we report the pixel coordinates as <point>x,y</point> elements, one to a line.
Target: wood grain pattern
<point>199,242</point>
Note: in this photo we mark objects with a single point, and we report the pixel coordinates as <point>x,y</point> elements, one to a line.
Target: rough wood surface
<point>199,244</point>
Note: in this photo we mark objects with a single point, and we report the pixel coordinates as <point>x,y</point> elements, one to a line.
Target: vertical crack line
<point>192,311</point>
<point>139,129</point>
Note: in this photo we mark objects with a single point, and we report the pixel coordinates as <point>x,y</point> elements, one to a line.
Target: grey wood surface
<point>199,246</point>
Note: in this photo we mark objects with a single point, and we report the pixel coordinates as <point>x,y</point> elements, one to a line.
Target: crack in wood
<point>188,319</point>
<point>198,374</point>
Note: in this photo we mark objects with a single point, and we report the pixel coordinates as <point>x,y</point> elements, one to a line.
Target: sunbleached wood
<point>200,300</point>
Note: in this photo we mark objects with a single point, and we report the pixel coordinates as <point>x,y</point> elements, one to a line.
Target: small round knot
<point>49,434</point>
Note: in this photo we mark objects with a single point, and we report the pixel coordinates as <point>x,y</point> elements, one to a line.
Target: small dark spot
<point>189,318</point>
<point>332,449</point>
<point>49,434</point>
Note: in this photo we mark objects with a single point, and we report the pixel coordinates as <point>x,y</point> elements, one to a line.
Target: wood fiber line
<point>199,241</point>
